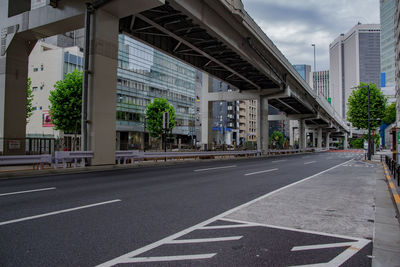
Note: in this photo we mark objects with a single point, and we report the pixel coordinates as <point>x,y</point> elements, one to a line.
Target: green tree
<point>390,114</point>
<point>276,139</point>
<point>29,100</point>
<point>66,103</point>
<point>154,116</point>
<point>358,106</point>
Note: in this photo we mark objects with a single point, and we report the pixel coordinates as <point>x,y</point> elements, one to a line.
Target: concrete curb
<point>392,188</point>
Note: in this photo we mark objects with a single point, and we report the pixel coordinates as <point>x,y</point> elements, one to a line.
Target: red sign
<point>46,119</point>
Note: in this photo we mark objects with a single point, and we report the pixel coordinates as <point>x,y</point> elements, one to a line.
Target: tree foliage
<point>276,139</point>
<point>154,116</point>
<point>66,103</point>
<point>358,106</point>
<point>390,114</point>
<point>29,100</point>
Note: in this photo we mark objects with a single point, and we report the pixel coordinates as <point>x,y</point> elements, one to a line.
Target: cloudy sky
<point>294,25</point>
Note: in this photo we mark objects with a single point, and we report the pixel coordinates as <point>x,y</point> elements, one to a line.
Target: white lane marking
<point>171,258</point>
<point>354,247</point>
<point>306,157</point>
<point>310,162</point>
<point>215,227</point>
<point>58,212</point>
<point>215,168</point>
<point>27,191</point>
<point>130,255</point>
<point>252,173</point>
<point>204,240</point>
<point>331,245</point>
<point>281,160</point>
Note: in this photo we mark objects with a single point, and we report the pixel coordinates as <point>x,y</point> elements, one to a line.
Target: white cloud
<point>294,25</point>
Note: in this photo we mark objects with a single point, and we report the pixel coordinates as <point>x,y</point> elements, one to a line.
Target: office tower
<point>354,58</point>
<point>321,84</point>
<point>304,71</point>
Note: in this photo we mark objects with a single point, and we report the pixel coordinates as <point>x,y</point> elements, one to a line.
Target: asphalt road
<point>88,219</point>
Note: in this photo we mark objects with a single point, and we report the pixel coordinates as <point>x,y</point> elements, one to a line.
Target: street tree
<point>29,100</point>
<point>276,139</point>
<point>390,114</point>
<point>357,112</point>
<point>154,116</point>
<point>66,104</point>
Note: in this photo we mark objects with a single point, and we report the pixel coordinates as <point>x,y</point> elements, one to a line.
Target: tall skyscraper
<point>397,55</point>
<point>304,71</point>
<point>387,9</point>
<point>321,84</point>
<point>354,58</point>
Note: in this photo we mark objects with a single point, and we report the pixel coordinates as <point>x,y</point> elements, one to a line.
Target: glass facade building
<point>387,11</point>
<point>145,73</point>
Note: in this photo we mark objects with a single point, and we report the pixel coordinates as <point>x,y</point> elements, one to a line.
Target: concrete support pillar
<point>319,142</point>
<point>206,109</point>
<point>262,125</point>
<point>328,137</point>
<point>102,88</point>
<point>313,139</point>
<point>345,141</point>
<point>13,94</point>
<point>303,135</point>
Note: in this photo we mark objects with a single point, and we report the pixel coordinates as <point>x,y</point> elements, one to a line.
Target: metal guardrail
<point>393,167</point>
<point>122,156</point>
<point>198,154</point>
<point>72,156</point>
<point>26,160</point>
<point>293,151</point>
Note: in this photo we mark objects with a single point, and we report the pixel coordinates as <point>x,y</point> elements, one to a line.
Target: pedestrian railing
<point>72,157</point>
<point>39,160</point>
<point>122,156</point>
<point>292,151</point>
<point>394,168</point>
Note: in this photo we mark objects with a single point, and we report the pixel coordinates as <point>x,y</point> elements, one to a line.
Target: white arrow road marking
<point>27,191</point>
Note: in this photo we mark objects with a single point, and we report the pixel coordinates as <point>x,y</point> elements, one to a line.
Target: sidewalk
<point>351,201</point>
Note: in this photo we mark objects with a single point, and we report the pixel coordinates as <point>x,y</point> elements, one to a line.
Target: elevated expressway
<point>215,36</point>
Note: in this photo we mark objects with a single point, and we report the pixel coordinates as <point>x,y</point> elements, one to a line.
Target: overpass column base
<point>303,135</point>
<point>328,137</point>
<point>319,141</point>
<point>13,95</point>
<point>102,88</point>
<point>345,142</point>
<point>262,125</point>
<point>206,112</point>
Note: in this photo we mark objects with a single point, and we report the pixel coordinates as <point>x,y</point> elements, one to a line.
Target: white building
<point>397,55</point>
<point>47,65</point>
<point>354,58</point>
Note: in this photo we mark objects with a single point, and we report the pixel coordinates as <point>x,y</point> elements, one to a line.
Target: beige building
<point>47,65</point>
<point>248,120</point>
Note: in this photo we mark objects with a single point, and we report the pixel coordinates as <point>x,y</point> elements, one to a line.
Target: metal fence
<point>393,167</point>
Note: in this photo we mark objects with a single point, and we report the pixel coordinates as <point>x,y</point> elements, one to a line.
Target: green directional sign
<point>398,137</point>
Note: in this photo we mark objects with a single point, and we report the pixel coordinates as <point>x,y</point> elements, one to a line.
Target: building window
<point>40,107</point>
<point>34,88</point>
<point>41,67</point>
<point>35,69</point>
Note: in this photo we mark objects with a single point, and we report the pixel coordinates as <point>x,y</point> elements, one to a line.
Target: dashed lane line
<point>171,258</point>
<point>215,168</point>
<point>58,212</point>
<point>281,160</point>
<point>27,191</point>
<point>253,173</point>
<point>310,162</point>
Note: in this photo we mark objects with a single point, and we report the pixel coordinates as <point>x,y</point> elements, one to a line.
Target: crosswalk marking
<point>170,258</point>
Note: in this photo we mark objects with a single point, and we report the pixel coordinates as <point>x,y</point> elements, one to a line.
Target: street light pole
<point>369,127</point>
